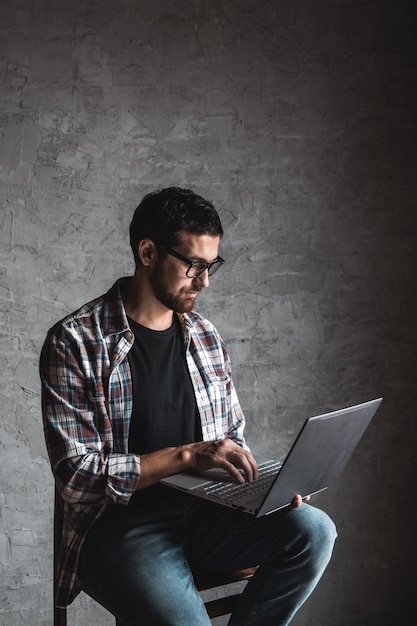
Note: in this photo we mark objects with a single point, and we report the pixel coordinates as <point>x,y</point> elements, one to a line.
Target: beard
<point>179,302</point>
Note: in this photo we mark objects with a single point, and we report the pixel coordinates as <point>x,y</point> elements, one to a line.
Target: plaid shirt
<point>87,404</point>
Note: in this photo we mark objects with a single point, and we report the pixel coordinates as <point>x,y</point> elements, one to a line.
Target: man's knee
<point>316,535</point>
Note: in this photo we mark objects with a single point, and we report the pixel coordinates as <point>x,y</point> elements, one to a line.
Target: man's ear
<point>146,251</point>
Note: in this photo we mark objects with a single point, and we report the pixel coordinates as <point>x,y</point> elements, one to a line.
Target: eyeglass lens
<point>198,268</point>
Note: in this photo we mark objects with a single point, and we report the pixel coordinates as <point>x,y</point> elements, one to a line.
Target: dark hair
<point>163,214</point>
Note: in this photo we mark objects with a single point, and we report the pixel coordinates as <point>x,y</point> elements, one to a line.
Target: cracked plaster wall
<point>297,119</point>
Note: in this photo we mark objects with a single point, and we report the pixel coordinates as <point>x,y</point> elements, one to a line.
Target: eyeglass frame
<point>218,262</point>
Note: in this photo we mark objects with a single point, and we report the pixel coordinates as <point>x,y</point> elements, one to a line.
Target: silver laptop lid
<point>319,454</point>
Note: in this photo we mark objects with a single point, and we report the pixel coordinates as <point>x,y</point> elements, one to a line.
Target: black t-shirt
<point>164,409</point>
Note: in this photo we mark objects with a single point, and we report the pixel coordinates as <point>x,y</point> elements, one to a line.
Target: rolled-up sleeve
<point>78,430</point>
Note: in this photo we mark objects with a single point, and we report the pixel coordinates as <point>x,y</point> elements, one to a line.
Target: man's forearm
<point>157,465</point>
<point>198,456</point>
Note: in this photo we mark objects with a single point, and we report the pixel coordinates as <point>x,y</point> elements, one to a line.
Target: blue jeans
<point>138,561</point>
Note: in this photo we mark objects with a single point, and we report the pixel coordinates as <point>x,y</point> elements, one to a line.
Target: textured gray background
<point>297,118</point>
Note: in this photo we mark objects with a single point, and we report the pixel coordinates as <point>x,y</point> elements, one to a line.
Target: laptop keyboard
<point>236,491</point>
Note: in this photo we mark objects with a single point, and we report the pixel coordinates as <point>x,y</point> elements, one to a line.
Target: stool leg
<point>60,617</point>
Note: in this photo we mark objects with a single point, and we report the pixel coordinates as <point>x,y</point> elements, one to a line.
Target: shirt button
<point>129,335</point>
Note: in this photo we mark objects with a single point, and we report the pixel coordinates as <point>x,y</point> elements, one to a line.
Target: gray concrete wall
<point>297,118</point>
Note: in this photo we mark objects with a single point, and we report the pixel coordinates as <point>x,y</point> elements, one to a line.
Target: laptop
<point>320,452</point>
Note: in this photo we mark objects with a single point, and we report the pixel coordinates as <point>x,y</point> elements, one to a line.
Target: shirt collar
<point>114,319</point>
<point>113,315</point>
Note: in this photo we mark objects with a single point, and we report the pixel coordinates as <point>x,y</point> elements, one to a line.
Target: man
<point>137,386</point>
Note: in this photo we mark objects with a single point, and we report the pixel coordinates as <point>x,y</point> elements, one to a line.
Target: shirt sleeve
<point>78,430</point>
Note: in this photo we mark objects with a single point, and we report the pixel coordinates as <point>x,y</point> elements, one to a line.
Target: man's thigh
<point>134,566</point>
<point>222,539</point>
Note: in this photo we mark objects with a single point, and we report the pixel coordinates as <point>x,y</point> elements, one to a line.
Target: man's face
<point>171,286</point>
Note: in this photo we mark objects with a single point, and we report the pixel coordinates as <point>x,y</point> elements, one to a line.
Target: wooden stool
<point>203,581</point>
<point>225,604</point>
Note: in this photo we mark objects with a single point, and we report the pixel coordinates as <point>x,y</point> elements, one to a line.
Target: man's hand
<point>298,500</point>
<point>196,457</point>
<point>225,454</point>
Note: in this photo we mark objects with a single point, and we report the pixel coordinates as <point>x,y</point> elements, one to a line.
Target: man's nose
<point>203,279</point>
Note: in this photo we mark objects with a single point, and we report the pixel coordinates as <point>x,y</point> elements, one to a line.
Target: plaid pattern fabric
<point>87,404</point>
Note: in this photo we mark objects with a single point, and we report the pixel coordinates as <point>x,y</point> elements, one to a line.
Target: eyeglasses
<point>195,268</point>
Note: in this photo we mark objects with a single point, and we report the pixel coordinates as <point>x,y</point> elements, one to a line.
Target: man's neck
<point>142,307</point>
